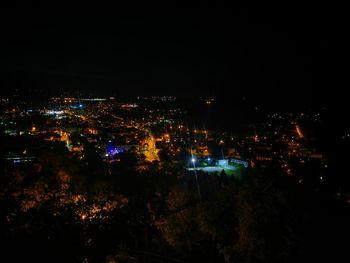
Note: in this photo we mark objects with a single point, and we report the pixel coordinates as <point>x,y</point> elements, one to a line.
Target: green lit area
<point>230,170</point>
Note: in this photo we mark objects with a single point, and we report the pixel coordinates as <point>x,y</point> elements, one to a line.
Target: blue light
<point>110,149</point>
<point>80,105</point>
<point>193,160</point>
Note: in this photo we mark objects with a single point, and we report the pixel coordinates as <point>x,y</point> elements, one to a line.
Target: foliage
<point>157,209</point>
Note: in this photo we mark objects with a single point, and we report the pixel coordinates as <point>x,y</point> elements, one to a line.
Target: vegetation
<point>62,209</point>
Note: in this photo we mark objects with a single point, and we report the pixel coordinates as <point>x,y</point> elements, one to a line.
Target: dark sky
<point>290,53</point>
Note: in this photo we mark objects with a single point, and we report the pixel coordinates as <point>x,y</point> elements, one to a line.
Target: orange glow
<point>167,137</point>
<point>298,130</point>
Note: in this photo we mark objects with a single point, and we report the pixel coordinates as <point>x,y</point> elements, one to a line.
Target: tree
<point>265,229</point>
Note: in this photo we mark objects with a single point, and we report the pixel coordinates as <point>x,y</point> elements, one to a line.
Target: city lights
<point>204,133</point>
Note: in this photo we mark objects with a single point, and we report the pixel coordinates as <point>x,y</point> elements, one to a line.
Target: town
<point>156,130</point>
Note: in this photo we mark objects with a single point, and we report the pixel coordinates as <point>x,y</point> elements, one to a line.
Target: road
<point>151,152</point>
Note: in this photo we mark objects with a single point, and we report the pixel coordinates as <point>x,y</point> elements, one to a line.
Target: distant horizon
<point>289,57</point>
<point>265,99</point>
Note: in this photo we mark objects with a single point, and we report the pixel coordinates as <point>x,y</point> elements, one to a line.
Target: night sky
<point>271,54</point>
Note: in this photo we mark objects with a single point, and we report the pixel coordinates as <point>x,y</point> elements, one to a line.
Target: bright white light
<point>53,112</point>
<point>106,154</point>
<point>208,159</point>
<point>193,160</point>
